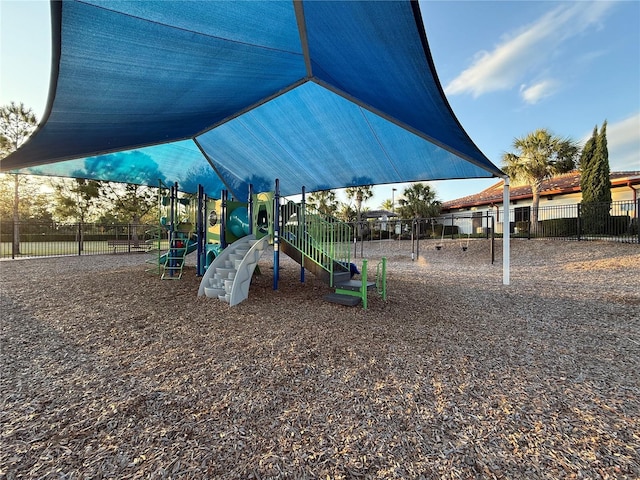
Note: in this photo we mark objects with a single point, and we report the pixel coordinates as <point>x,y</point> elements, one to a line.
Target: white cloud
<point>517,56</point>
<point>623,143</point>
<point>534,93</point>
<point>625,132</point>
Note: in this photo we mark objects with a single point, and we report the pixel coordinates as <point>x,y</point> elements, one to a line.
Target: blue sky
<point>507,68</point>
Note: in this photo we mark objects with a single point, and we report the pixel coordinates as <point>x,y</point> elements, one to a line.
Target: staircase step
<point>339,277</point>
<point>354,285</point>
<point>342,299</point>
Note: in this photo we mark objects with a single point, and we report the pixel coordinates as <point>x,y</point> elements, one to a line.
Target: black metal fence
<point>616,221</point>
<point>37,239</point>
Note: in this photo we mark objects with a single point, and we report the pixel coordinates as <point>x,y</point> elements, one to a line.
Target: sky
<point>507,69</point>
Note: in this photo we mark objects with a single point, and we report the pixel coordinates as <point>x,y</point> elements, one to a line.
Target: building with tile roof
<point>560,190</point>
<point>560,197</point>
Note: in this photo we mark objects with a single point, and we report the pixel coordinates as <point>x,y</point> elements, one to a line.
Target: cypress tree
<point>595,182</point>
<point>586,166</point>
<point>601,172</point>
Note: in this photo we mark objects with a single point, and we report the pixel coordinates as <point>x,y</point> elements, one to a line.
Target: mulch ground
<point>109,372</point>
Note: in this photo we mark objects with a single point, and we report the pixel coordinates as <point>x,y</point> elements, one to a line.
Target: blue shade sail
<point>345,136</point>
<point>321,94</point>
<point>180,162</point>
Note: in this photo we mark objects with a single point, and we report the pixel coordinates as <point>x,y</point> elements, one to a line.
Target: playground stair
<point>321,244</point>
<point>352,292</point>
<point>316,241</point>
<point>154,244</point>
<point>228,278</point>
<point>328,274</point>
<point>174,260</point>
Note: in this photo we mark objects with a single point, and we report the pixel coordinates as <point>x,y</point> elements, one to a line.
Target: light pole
<point>393,200</point>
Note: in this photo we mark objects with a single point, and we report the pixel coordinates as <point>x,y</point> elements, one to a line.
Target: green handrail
<point>323,239</point>
<point>380,283</point>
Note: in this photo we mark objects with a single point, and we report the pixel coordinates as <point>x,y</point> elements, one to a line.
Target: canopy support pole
<point>506,233</point>
<point>276,235</point>
<point>302,230</point>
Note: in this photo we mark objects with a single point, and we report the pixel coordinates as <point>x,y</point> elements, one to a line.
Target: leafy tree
<point>323,201</point>
<point>36,206</point>
<point>130,202</point>
<point>419,201</point>
<point>77,199</point>
<point>595,181</point>
<point>540,155</point>
<point>108,217</point>
<point>17,123</point>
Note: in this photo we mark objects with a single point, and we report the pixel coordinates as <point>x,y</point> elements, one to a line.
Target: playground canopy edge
<point>321,94</point>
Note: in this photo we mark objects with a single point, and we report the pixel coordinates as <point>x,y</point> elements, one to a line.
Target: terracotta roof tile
<point>561,184</point>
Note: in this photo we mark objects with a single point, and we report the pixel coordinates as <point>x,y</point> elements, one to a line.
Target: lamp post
<point>393,200</point>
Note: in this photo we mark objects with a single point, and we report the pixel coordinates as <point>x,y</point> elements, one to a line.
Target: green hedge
<point>568,227</point>
<point>559,227</point>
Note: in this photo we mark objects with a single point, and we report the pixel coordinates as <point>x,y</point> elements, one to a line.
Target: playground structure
<point>230,236</point>
<point>176,223</point>
<point>298,74</point>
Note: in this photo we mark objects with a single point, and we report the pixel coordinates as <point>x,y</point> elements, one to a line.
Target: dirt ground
<point>109,372</point>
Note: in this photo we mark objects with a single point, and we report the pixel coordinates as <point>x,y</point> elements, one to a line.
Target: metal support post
<point>276,235</point>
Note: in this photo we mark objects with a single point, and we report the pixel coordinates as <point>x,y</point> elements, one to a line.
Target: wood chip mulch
<point>106,371</point>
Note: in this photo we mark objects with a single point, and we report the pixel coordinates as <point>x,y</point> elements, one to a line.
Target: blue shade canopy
<point>321,94</point>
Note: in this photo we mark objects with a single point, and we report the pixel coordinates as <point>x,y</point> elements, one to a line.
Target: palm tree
<point>419,202</point>
<point>388,205</point>
<point>360,195</point>
<point>346,213</point>
<point>324,201</point>
<point>540,155</point>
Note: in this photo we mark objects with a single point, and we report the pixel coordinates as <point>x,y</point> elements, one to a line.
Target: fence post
<point>413,245</point>
<point>13,241</point>
<point>578,222</point>
<point>355,240</point>
<point>79,238</point>
<point>488,227</point>
<point>493,250</point>
<point>418,229</point>
<point>638,220</point>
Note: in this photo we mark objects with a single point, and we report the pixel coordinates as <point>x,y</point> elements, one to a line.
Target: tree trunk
<point>16,217</point>
<point>535,202</point>
<point>134,230</point>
